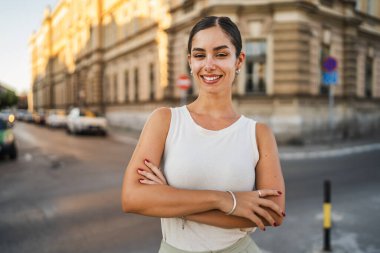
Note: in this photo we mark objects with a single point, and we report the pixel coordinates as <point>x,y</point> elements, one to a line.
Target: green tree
<point>8,99</point>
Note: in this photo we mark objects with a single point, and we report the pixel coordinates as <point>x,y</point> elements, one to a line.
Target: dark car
<point>7,140</point>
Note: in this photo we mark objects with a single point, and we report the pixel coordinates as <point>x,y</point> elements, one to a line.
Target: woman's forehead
<point>211,37</point>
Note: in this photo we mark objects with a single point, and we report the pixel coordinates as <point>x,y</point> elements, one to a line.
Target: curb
<point>329,153</point>
<point>285,155</point>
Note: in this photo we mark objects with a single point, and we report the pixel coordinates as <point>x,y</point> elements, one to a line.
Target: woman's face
<point>213,60</point>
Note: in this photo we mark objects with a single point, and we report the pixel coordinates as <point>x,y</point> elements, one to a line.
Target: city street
<point>63,195</point>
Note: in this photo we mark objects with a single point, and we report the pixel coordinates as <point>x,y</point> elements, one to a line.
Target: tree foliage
<point>8,98</point>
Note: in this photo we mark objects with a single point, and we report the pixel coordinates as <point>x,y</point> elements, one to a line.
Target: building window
<point>255,81</point>
<point>126,86</point>
<point>358,4</point>
<point>114,88</point>
<point>136,76</point>
<point>368,76</point>
<point>151,81</point>
<point>371,7</point>
<point>328,3</point>
<point>325,52</point>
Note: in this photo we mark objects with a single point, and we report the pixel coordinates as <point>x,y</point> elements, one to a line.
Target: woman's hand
<point>251,205</point>
<point>153,176</point>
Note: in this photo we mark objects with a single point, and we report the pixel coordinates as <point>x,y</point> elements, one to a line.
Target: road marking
<point>329,152</point>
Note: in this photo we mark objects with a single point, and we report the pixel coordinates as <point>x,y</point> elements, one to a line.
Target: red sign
<point>183,82</point>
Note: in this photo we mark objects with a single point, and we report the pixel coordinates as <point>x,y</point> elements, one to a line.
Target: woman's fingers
<point>255,219</point>
<point>267,192</point>
<point>150,176</point>
<point>270,204</point>
<point>159,174</point>
<point>265,215</point>
<point>147,181</point>
<point>155,170</point>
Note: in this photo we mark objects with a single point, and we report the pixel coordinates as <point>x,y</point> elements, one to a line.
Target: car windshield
<point>88,113</point>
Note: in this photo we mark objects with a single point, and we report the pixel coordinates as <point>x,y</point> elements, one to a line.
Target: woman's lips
<point>210,79</point>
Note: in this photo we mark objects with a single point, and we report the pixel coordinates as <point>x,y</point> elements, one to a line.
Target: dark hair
<point>227,26</point>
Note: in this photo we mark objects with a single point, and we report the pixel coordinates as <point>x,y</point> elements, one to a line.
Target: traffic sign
<point>330,64</point>
<point>330,78</point>
<point>183,82</point>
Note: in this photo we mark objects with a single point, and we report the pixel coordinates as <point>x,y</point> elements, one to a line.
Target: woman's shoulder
<point>264,134</point>
<point>161,115</point>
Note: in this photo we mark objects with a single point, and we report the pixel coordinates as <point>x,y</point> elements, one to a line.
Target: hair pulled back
<point>227,26</point>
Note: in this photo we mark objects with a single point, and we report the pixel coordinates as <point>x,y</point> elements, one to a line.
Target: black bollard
<point>327,215</point>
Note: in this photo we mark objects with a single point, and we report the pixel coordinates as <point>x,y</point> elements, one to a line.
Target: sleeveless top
<point>200,159</point>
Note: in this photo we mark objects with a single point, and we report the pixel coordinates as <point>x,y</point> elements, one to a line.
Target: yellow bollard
<point>327,215</point>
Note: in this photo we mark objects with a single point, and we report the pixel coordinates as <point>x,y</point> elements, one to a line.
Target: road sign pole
<point>183,97</point>
<point>331,108</point>
<point>184,83</point>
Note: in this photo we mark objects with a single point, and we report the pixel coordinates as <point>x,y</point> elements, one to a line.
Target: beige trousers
<point>244,245</point>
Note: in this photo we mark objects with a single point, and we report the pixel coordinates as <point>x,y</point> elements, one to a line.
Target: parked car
<point>39,117</point>
<point>56,118</point>
<point>7,140</point>
<point>8,116</point>
<point>86,121</point>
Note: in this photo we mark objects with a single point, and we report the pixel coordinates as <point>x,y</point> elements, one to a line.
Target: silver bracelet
<point>234,205</point>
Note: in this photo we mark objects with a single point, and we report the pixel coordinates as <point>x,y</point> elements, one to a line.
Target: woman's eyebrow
<point>220,47</point>
<point>214,49</point>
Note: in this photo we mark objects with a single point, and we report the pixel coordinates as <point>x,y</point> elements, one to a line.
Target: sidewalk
<point>287,152</point>
<point>341,148</point>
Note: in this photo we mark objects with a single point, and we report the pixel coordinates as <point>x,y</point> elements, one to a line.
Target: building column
<point>350,64</point>
<point>291,46</point>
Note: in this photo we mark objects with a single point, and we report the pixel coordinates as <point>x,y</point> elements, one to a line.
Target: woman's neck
<point>214,106</point>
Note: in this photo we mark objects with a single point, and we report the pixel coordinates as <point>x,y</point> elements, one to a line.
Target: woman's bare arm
<point>268,169</point>
<point>162,200</point>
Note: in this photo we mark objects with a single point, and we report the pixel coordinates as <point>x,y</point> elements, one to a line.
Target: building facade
<point>123,57</point>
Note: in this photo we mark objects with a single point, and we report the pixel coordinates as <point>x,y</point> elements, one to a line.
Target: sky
<point>18,20</point>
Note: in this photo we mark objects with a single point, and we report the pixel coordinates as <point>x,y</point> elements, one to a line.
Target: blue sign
<point>330,78</point>
<point>330,64</point>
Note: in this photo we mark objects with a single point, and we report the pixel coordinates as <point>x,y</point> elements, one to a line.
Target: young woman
<point>219,175</point>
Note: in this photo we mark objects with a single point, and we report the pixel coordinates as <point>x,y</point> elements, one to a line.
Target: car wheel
<point>13,152</point>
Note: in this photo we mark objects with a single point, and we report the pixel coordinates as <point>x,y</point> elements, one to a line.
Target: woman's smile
<point>211,79</point>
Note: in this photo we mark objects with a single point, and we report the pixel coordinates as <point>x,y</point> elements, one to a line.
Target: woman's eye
<point>221,55</point>
<point>198,55</point>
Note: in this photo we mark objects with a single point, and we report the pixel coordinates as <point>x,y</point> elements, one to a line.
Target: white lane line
<point>329,153</point>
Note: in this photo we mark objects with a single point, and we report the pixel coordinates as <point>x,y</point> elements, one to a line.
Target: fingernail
<point>264,229</point>
<point>140,180</point>
<point>147,161</point>
<point>279,192</point>
<point>139,170</point>
<point>283,214</point>
<point>275,224</point>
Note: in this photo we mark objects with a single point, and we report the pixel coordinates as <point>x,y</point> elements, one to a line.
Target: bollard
<point>327,215</point>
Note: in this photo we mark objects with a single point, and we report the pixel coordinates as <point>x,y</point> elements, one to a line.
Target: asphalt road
<point>63,195</point>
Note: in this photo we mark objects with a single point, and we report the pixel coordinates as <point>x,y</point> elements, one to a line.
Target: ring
<point>259,193</point>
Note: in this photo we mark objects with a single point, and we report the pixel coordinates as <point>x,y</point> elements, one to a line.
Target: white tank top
<point>201,159</point>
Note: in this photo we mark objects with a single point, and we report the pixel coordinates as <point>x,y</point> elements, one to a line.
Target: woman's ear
<point>240,60</point>
<point>189,60</point>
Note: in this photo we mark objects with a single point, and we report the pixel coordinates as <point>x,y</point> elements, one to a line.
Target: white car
<point>86,121</point>
<point>56,118</point>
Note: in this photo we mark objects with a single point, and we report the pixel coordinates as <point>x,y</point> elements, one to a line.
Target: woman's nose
<point>210,64</point>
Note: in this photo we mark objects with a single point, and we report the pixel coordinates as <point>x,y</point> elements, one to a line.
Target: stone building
<point>124,58</point>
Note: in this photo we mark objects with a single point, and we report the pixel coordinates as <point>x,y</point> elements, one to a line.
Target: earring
<point>191,72</point>
<point>237,71</point>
